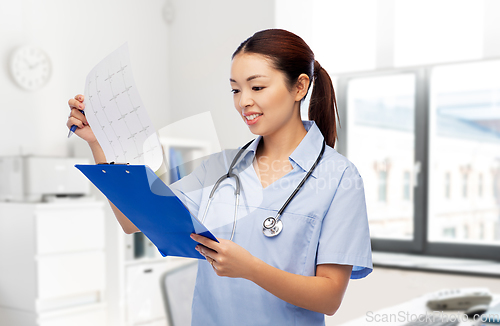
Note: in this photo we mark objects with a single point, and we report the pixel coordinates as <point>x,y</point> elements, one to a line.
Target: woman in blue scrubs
<point>298,276</point>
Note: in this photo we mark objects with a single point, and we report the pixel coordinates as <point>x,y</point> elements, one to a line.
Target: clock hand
<point>29,66</point>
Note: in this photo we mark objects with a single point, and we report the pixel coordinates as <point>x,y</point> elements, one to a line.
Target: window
<point>438,122</point>
<point>480,185</point>
<point>380,126</point>
<point>464,136</point>
<point>465,181</point>
<point>447,185</point>
<point>406,185</point>
<point>382,186</point>
<point>496,184</point>
<point>439,126</point>
<point>449,233</point>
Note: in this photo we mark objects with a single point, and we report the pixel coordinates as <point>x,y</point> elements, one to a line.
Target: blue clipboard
<point>146,201</point>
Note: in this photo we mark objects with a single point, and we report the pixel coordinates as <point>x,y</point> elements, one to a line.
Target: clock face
<point>30,67</point>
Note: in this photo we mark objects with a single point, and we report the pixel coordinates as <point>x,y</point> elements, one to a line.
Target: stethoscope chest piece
<point>272,227</point>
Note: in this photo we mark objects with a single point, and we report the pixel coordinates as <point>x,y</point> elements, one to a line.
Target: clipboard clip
<point>112,163</point>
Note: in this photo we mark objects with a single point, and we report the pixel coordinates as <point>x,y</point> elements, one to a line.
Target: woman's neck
<point>283,142</point>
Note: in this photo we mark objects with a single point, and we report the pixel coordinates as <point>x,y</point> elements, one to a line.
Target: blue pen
<point>73,127</point>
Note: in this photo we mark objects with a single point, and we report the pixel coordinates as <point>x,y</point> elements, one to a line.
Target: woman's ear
<point>301,87</point>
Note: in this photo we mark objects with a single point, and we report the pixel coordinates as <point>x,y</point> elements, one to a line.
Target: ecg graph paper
<point>114,110</point>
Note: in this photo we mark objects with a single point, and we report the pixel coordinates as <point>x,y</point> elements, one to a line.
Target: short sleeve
<point>189,189</point>
<point>345,237</point>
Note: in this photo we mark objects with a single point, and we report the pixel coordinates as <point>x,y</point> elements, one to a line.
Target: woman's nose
<point>245,100</point>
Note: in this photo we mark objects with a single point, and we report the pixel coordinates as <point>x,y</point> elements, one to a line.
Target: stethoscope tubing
<point>278,216</point>
<point>229,174</point>
<point>275,227</point>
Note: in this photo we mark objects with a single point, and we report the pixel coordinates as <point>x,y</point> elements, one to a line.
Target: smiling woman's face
<point>261,95</point>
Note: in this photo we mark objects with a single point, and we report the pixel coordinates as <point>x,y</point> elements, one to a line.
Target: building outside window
<point>380,126</point>
<point>449,232</point>
<point>382,186</point>
<point>406,185</point>
<point>480,185</point>
<point>465,184</point>
<point>464,118</point>
<point>447,185</point>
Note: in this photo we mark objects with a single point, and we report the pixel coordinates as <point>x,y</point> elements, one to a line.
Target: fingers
<point>74,121</point>
<point>212,262</point>
<point>205,241</point>
<point>211,256</point>
<point>77,110</point>
<point>78,115</point>
<point>75,104</point>
<point>206,251</point>
<point>215,265</point>
<point>209,249</point>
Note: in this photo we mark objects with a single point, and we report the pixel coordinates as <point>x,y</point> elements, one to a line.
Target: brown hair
<point>292,56</point>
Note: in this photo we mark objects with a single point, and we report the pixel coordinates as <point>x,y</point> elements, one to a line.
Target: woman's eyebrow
<point>248,79</point>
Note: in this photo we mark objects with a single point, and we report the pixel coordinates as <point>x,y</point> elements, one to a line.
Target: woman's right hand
<point>77,118</point>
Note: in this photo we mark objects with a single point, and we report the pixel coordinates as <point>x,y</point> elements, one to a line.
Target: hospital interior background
<point>418,88</point>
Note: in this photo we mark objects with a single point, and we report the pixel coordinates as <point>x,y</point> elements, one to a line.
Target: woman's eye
<point>234,91</point>
<point>256,88</point>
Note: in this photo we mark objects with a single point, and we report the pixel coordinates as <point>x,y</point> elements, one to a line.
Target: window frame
<point>420,243</point>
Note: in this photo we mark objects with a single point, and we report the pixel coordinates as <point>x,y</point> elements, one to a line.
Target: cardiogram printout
<point>116,114</point>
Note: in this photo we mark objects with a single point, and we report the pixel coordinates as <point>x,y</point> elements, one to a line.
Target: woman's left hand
<point>227,258</point>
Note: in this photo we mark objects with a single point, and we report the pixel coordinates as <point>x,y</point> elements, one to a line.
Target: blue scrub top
<point>325,223</point>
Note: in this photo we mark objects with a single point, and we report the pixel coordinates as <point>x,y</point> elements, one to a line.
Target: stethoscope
<point>272,226</point>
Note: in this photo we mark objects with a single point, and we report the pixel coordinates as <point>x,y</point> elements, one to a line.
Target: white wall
<point>357,35</point>
<point>203,36</point>
<point>76,35</point>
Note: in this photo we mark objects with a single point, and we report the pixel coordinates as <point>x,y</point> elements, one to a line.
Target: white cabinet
<point>144,301</point>
<point>85,316</point>
<point>52,269</point>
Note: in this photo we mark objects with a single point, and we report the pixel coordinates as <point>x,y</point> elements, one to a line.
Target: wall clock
<point>30,67</point>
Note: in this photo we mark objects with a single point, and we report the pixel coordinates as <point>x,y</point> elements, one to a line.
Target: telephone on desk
<point>474,302</point>
<point>459,299</point>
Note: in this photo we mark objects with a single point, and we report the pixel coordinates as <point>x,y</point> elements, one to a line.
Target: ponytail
<point>323,105</point>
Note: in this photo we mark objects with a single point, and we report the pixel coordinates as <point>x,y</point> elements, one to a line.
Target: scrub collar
<point>306,153</point>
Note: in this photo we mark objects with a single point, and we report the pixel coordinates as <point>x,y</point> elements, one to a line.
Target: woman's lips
<point>252,118</point>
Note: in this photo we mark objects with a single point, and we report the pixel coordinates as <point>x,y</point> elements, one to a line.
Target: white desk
<point>411,310</point>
